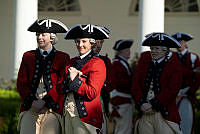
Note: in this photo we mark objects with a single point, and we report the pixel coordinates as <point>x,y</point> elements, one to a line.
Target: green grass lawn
<point>9,111</point>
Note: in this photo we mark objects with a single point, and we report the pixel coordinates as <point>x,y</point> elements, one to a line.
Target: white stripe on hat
<point>91,29</point>
<point>106,29</point>
<point>159,35</point>
<point>45,21</point>
<point>60,23</point>
<point>179,34</point>
<point>173,40</point>
<point>49,21</point>
<point>99,28</point>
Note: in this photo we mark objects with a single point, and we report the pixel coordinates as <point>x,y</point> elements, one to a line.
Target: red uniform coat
<point>170,82</point>
<point>87,91</point>
<point>121,80</point>
<point>107,84</point>
<point>190,78</point>
<point>30,72</point>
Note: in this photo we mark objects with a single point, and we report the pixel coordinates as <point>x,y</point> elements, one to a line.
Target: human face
<point>183,45</point>
<point>157,52</point>
<point>44,40</point>
<point>125,53</point>
<point>98,46</point>
<point>83,45</point>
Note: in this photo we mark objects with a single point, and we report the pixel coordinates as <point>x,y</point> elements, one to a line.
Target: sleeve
<point>91,87</point>
<point>136,89</point>
<point>23,85</point>
<point>65,63</point>
<point>195,79</point>
<point>108,86</point>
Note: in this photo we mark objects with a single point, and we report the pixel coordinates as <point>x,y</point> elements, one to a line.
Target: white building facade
<point>126,19</point>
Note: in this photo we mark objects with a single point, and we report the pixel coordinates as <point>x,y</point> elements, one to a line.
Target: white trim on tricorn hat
<point>160,39</point>
<point>106,30</point>
<point>86,31</point>
<point>182,36</point>
<point>123,44</point>
<point>48,26</point>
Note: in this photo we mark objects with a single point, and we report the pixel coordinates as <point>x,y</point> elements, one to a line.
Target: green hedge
<point>9,111</point>
<point>9,94</point>
<point>197,122</point>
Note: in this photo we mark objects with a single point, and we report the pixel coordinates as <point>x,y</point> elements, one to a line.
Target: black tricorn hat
<point>182,36</point>
<point>87,31</point>
<point>160,39</point>
<point>122,44</point>
<point>48,26</point>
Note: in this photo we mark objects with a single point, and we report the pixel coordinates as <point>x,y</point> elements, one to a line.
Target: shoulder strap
<point>193,57</point>
<point>125,64</point>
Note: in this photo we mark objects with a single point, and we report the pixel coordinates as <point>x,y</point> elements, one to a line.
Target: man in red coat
<point>39,81</point>
<point>84,79</point>
<point>121,99</point>
<point>191,82</point>
<point>155,85</point>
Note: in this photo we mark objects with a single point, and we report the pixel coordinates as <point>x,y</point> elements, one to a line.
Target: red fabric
<point>120,100</point>
<point>108,64</point>
<point>121,81</point>
<point>170,82</point>
<point>145,57</point>
<point>91,89</point>
<point>26,71</point>
<point>115,113</point>
<point>192,79</point>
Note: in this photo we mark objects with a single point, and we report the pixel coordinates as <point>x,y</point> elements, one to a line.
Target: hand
<point>74,72</point>
<point>37,105</point>
<point>146,107</point>
<point>182,92</point>
<point>150,110</point>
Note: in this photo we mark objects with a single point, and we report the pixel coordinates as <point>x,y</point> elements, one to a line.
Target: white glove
<point>183,91</point>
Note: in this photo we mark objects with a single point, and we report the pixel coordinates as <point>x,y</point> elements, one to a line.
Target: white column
<point>151,19</point>
<point>26,13</point>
